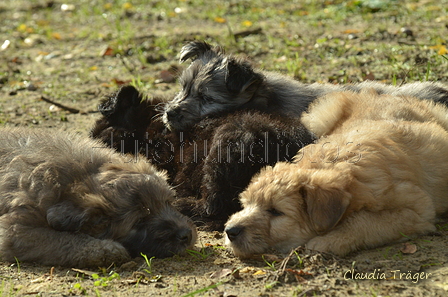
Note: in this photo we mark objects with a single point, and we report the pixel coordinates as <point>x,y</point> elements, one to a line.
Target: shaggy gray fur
<point>218,83</point>
<point>67,200</point>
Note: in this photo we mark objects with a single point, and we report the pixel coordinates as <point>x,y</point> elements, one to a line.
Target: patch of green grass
<point>105,280</point>
<point>271,285</point>
<point>138,83</point>
<point>271,265</point>
<point>202,254</point>
<point>78,289</point>
<point>431,264</point>
<point>148,263</point>
<point>442,227</point>
<point>18,265</point>
<point>203,290</point>
<point>4,292</point>
<point>299,259</point>
<point>386,253</point>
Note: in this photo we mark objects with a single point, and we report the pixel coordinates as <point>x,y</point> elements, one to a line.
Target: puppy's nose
<point>173,113</point>
<point>233,232</point>
<point>184,235</point>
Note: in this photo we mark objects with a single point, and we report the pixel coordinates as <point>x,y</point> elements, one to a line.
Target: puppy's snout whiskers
<point>157,117</point>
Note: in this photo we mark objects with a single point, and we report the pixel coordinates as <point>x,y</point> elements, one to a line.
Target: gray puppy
<point>219,83</point>
<point>67,200</point>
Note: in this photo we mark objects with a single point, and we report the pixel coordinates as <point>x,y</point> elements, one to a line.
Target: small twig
<point>282,267</point>
<point>247,33</point>
<point>407,42</point>
<point>51,273</point>
<point>69,109</point>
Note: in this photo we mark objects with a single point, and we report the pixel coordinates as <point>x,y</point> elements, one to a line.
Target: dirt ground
<point>59,55</point>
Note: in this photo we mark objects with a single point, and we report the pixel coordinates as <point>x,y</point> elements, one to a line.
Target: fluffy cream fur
<point>378,172</point>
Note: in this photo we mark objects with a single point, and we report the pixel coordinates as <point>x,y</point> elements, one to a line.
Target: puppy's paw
<point>102,253</point>
<point>329,245</point>
<point>114,252</point>
<point>318,244</point>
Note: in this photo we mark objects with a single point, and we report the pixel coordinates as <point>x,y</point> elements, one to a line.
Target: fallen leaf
<point>259,272</point>
<point>236,274</point>
<point>21,28</point>
<point>220,20</point>
<point>106,85</point>
<point>42,23</point>
<point>369,76</point>
<point>56,36</point>
<point>351,31</point>
<point>127,6</point>
<point>247,23</point>
<point>108,51</point>
<point>408,248</point>
<point>247,269</point>
<point>271,258</point>
<point>167,76</point>
<point>221,273</point>
<point>441,49</point>
<point>120,82</point>
<point>86,272</point>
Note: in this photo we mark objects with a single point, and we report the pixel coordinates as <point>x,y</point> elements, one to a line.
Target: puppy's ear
<point>326,202</point>
<point>65,216</point>
<point>125,98</point>
<point>241,77</point>
<point>194,50</point>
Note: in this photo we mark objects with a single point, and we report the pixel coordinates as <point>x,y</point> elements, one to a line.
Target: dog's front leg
<point>366,229</point>
<point>50,247</point>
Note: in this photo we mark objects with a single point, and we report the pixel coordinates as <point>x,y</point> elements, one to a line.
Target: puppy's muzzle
<point>173,114</point>
<point>233,232</point>
<point>184,236</point>
<point>173,117</point>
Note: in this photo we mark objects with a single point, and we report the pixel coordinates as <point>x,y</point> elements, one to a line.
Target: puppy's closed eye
<point>275,212</point>
<point>206,99</point>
